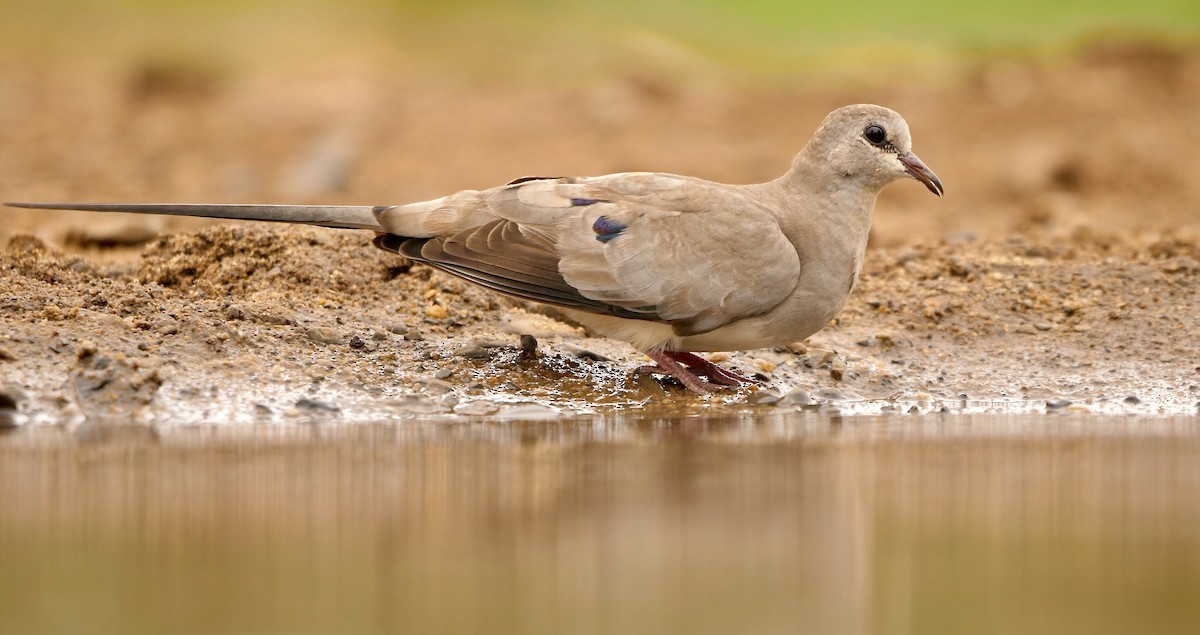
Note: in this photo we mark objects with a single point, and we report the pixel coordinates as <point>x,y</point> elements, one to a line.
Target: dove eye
<point>875,134</point>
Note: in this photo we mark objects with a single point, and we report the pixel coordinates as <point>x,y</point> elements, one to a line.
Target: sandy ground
<point>1059,273</point>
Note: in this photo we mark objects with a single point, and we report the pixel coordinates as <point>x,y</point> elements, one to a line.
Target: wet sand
<point>1058,272</point>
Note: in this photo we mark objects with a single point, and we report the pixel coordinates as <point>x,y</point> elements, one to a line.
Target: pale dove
<point>671,264</point>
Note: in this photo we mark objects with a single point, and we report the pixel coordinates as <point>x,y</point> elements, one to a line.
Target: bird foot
<point>673,364</point>
<point>714,373</point>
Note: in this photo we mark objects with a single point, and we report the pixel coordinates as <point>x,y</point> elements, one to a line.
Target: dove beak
<point>918,171</point>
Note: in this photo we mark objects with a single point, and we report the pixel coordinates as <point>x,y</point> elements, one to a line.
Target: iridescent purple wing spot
<point>607,229</point>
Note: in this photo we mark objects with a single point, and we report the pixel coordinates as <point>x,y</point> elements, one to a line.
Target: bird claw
<point>714,373</point>
<point>687,368</point>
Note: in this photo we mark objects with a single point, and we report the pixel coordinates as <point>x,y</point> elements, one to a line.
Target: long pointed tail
<point>341,217</point>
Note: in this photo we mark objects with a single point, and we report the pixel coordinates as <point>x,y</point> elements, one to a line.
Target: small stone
<point>378,335</point>
<point>11,397</point>
<point>262,410</point>
<point>1132,400</point>
<point>86,349</point>
<point>797,348</point>
<point>529,343</point>
<point>1043,326</point>
<point>7,355</point>
<point>235,312</point>
<point>831,394</point>
<point>837,369</point>
<point>323,336</point>
<point>764,398</point>
<point>868,341</point>
<point>398,328</point>
<point>414,336</point>
<point>273,316</point>
<point>473,352</point>
<point>1026,329</point>
<point>436,312</point>
<point>357,342</point>
<point>443,373</point>
<point>583,353</point>
<point>1057,404</point>
<point>435,386</point>
<point>313,405</point>
<point>798,397</point>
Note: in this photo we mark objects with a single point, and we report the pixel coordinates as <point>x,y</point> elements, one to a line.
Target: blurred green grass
<point>765,37</point>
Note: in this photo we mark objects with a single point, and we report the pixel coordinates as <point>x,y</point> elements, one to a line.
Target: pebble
<point>11,397</point>
<point>831,394</point>
<point>473,351</point>
<point>378,335</point>
<point>818,356</point>
<point>314,405</point>
<point>529,343</point>
<point>274,317</point>
<point>1043,326</point>
<point>583,353</point>
<point>443,373</point>
<point>235,312</point>
<point>798,397</point>
<point>837,369</point>
<point>357,342</point>
<point>764,398</point>
<point>6,355</point>
<point>414,336</point>
<point>324,336</point>
<point>1057,404</point>
<point>1132,399</point>
<point>436,312</point>
<point>398,329</point>
<point>435,386</point>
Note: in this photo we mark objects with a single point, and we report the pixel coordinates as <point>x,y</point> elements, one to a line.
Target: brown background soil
<point>1060,266</point>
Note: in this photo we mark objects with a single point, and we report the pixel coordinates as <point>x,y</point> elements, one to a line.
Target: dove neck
<point>822,189</point>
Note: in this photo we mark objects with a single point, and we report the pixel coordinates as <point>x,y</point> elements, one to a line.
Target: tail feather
<point>340,217</point>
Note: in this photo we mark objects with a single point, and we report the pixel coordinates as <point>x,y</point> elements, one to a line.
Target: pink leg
<point>712,371</point>
<point>667,364</point>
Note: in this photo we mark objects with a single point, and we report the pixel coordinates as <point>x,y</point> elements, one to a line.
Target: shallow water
<point>796,523</point>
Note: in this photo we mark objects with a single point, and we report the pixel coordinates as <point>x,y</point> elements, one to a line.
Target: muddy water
<point>796,523</point>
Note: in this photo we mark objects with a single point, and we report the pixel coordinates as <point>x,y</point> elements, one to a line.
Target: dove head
<point>869,145</point>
